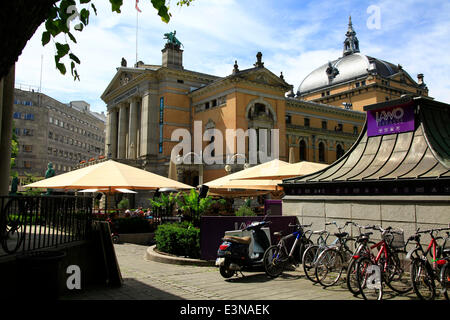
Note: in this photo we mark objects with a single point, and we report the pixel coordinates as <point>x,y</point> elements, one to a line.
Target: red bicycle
<point>423,272</point>
<point>387,267</point>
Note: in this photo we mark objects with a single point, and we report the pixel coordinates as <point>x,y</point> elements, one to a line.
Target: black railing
<point>33,223</point>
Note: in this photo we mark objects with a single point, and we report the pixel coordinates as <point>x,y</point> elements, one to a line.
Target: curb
<point>152,254</point>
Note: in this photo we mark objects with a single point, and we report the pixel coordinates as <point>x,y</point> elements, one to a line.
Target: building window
<point>321,152</point>
<point>27,148</point>
<point>288,119</point>
<point>206,105</point>
<point>324,124</point>
<point>339,151</point>
<point>355,129</point>
<point>27,132</point>
<point>27,164</point>
<point>29,116</point>
<point>338,127</point>
<point>306,122</point>
<point>302,149</point>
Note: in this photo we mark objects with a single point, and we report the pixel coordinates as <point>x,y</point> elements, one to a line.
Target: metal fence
<point>32,223</point>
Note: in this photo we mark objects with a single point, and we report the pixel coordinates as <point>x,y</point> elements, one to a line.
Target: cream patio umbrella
<point>284,172</point>
<point>109,176</point>
<point>235,181</point>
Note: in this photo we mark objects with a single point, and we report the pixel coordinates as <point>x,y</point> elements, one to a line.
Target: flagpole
<point>137,13</point>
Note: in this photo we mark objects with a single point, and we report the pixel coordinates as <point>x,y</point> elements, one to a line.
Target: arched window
<point>302,149</point>
<point>321,152</point>
<point>339,151</point>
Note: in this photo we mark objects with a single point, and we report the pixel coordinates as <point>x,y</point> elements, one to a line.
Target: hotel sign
<point>390,120</point>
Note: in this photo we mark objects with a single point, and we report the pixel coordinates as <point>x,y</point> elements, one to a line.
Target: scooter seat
<point>243,240</point>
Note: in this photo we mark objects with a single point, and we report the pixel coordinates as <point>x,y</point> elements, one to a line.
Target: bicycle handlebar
<point>300,225</point>
<point>430,231</point>
<point>337,226</point>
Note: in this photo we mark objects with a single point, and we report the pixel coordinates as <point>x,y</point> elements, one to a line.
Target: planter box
<point>137,238</point>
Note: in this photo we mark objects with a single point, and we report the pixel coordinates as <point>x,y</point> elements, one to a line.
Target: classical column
<point>112,133</point>
<point>122,134</point>
<point>149,131</point>
<point>145,113</point>
<point>6,119</point>
<point>132,129</point>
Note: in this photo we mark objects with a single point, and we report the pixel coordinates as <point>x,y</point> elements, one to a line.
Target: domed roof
<point>348,67</point>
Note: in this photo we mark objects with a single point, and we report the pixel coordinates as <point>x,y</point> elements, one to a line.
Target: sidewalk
<point>150,280</point>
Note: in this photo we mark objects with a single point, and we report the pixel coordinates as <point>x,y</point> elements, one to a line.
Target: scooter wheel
<point>226,272</point>
<point>115,239</point>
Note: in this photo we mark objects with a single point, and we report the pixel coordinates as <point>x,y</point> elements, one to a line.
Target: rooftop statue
<point>172,39</point>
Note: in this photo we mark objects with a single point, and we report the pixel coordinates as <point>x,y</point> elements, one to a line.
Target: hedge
<point>180,238</point>
<point>132,225</point>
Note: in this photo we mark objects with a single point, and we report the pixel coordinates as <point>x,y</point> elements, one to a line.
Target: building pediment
<point>262,76</point>
<point>121,80</point>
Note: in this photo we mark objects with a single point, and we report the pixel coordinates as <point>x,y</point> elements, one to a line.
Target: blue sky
<point>295,37</point>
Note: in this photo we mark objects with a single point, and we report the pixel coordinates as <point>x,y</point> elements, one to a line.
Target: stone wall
<point>407,213</point>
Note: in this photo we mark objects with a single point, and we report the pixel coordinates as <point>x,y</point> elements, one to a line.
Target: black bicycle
<point>277,257</point>
<point>425,274</point>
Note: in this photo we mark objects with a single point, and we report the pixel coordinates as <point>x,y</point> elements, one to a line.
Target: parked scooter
<point>240,252</point>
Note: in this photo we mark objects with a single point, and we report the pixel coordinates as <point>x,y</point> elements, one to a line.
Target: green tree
<point>193,207</point>
<point>167,202</point>
<point>19,20</point>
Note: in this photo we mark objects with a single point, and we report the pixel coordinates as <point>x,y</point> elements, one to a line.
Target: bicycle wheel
<point>422,280</point>
<point>13,237</point>
<point>309,260</point>
<point>302,248</point>
<point>274,259</point>
<point>351,280</point>
<point>370,282</point>
<point>445,279</point>
<point>329,267</point>
<point>398,277</point>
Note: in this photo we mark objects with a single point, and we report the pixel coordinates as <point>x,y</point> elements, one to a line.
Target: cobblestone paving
<point>148,280</point>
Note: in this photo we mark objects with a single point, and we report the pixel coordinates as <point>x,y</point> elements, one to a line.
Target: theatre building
<point>146,103</point>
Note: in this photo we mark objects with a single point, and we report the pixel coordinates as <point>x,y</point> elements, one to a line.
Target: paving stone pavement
<point>149,280</point>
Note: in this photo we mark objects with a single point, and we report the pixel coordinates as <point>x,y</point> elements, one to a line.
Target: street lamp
<point>231,159</point>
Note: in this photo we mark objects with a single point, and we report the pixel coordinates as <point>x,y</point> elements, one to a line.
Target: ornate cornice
<point>324,108</point>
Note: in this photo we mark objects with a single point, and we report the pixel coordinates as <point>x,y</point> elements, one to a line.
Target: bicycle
<point>384,268</point>
<point>332,261</point>
<point>363,249</point>
<point>423,273</point>
<point>312,252</point>
<point>445,277</point>
<point>12,225</point>
<point>276,257</point>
